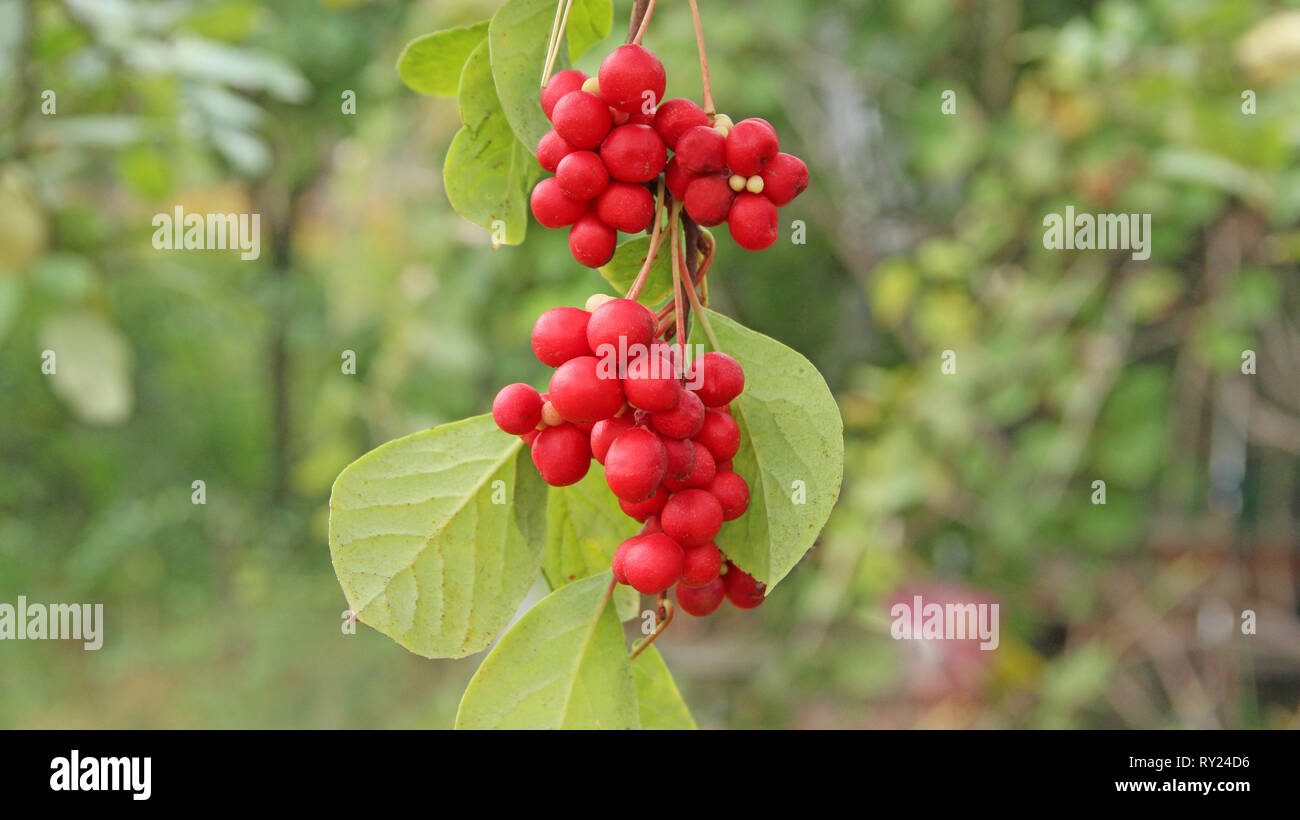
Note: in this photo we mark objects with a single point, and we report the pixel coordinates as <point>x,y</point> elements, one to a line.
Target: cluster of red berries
<point>610,143</point>
<point>663,431</point>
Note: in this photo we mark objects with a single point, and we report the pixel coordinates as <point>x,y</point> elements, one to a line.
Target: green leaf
<point>563,665</point>
<point>518,37</point>
<point>628,258</point>
<point>432,64</point>
<point>437,537</point>
<point>584,525</point>
<point>791,452</point>
<point>487,172</point>
<point>660,703</point>
<point>589,23</point>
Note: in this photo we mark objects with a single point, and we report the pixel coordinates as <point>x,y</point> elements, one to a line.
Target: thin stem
<point>639,283</point>
<point>645,21</point>
<point>673,218</point>
<point>704,61</point>
<point>668,608</point>
<point>557,33</point>
<point>699,314</point>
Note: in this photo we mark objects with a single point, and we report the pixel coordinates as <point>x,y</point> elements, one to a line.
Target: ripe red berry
<point>703,472</point>
<point>626,207</point>
<point>616,563</point>
<point>627,74</point>
<point>552,148</point>
<point>701,565</point>
<point>561,455</point>
<point>530,437</point>
<point>683,421</point>
<point>560,334</point>
<point>681,459</point>
<point>517,409</point>
<point>582,391</point>
<point>741,588</point>
<point>582,175</point>
<point>732,493</point>
<point>691,517</point>
<point>591,241</point>
<point>651,383</point>
<point>752,221</point>
<point>719,433</point>
<point>642,510</point>
<point>582,119</point>
<point>552,207</point>
<point>677,179</point>
<point>652,562</point>
<point>784,178</point>
<point>651,524</point>
<point>620,320</point>
<point>702,150</point>
<point>635,465</point>
<point>703,600</point>
<point>708,199</point>
<point>634,153</point>
<point>718,379</point>
<point>561,83</point>
<point>751,144</point>
<point>675,116</point>
<point>604,432</point>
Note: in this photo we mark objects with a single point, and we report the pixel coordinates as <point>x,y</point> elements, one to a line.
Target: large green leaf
<point>628,258</point>
<point>432,64</point>
<point>791,452</point>
<point>589,23</point>
<point>437,537</point>
<point>660,703</point>
<point>584,525</point>
<point>563,665</point>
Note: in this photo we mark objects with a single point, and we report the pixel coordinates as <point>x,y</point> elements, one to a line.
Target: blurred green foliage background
<point>924,235</point>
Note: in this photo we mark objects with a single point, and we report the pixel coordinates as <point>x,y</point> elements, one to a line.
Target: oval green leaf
<point>589,23</point>
<point>621,271</point>
<point>518,36</point>
<point>660,703</point>
<point>432,63</point>
<point>584,525</point>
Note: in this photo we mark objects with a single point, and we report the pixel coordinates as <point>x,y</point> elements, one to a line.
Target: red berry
<point>604,432</point>
<point>551,149</point>
<point>552,207</point>
<point>651,383</point>
<point>626,207</point>
<point>517,409</point>
<point>718,379</point>
<point>701,565</point>
<point>634,153</point>
<point>677,179</point>
<point>560,84</point>
<point>642,510</point>
<point>701,150</point>
<point>751,144</point>
<point>582,391</point>
<point>651,524</point>
<point>620,323</point>
<point>742,590</point>
<point>752,221</point>
<point>627,74</point>
<point>635,465</point>
<point>641,118</point>
<point>582,175</point>
<point>582,119</point>
<point>675,116</point>
<point>703,472</point>
<point>701,601</point>
<point>708,199</point>
<point>652,563</point>
<point>683,421</point>
<point>691,517</point>
<point>530,437</point>
<point>592,242</point>
<point>616,563</point>
<point>720,433</point>
<point>561,455</point>
<point>784,178</point>
<point>561,334</point>
<point>681,459</point>
<point>732,493</point>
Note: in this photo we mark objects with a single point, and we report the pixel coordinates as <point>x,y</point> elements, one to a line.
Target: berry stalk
<point>557,33</point>
<point>704,61</point>
<point>655,237</point>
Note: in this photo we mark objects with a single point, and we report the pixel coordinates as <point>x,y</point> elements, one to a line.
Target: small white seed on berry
<point>592,86</point>
<point>737,183</point>
<point>754,184</point>
<point>550,416</point>
<point>722,124</point>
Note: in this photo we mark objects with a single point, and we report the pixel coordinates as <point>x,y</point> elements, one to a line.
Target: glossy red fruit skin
<point>703,473</point>
<point>681,458</point>
<point>651,524</point>
<point>677,179</point>
<point>741,588</point>
<point>752,221</point>
<point>651,383</point>
<point>691,517</point>
<point>581,393</point>
<point>582,119</point>
<point>517,408</point>
<point>701,150</point>
<point>750,146</point>
<point>718,379</point>
<point>708,199</point>
<point>616,563</point>
<point>683,421</point>
<point>642,510</point>
<point>701,601</point>
<point>530,437</point>
<point>634,153</point>
<point>627,73</point>
<point>620,323</point>
<point>702,565</point>
<point>560,84</point>
<point>582,175</point>
<point>720,434</point>
<point>562,455</point>
<point>552,208</point>
<point>675,116</point>
<point>552,148</point>
<point>635,465</point>
<point>591,241</point>
<point>560,334</point>
<point>732,493</point>
<point>626,207</point>
<point>784,178</point>
<point>604,432</point>
<point>653,563</point>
